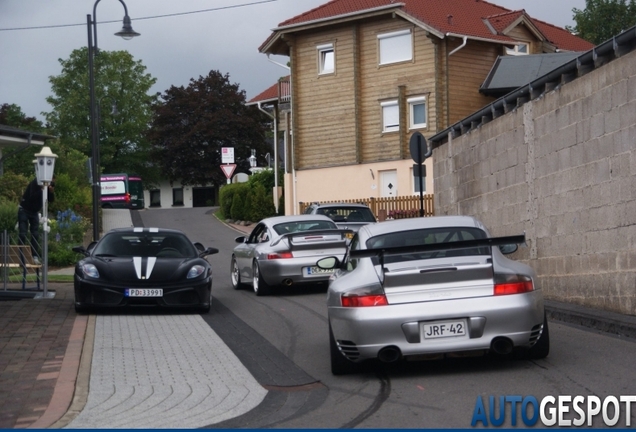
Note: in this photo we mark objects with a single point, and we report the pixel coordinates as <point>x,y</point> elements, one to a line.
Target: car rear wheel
<point>260,286</point>
<point>541,349</point>
<point>339,363</point>
<point>236,275</point>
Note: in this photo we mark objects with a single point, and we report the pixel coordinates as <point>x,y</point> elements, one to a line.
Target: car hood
<point>140,269</point>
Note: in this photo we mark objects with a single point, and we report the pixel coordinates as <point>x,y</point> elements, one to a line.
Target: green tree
<point>18,159</point>
<point>193,123</point>
<point>119,80</point>
<point>603,19</point>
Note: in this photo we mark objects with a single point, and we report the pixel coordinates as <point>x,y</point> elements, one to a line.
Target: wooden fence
<point>400,207</point>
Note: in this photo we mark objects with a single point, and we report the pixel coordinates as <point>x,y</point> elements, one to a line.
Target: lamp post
<point>44,167</point>
<point>127,33</point>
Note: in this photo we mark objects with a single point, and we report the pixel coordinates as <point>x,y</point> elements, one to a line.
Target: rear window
<point>292,227</point>
<point>427,237</point>
<point>348,214</point>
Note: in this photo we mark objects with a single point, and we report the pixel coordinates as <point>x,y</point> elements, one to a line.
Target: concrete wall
<point>562,169</point>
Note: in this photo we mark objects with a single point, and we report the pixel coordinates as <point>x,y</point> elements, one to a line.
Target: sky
<point>180,40</point>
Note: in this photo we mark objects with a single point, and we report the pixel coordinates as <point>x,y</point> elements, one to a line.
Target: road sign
<point>227,155</point>
<point>418,148</point>
<point>228,170</point>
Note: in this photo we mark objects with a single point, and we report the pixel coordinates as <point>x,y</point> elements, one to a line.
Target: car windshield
<point>306,225</point>
<point>428,237</point>
<point>145,244</point>
<point>348,214</point>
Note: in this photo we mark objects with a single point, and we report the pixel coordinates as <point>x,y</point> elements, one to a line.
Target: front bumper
<point>89,293</point>
<point>363,331</point>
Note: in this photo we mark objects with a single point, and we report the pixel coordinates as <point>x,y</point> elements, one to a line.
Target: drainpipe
<point>459,47</point>
<point>275,118</point>
<point>276,143</point>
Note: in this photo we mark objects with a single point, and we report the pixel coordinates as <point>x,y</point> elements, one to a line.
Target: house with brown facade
<point>366,74</point>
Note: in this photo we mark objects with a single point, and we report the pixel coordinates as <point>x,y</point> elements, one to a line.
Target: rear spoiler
<point>310,233</point>
<point>464,244</point>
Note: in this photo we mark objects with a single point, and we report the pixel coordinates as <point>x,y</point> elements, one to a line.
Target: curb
<point>605,321</point>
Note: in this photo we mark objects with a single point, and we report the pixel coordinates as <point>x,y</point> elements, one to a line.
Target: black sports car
<point>143,267</point>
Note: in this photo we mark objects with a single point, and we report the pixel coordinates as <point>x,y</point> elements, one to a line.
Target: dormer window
<point>326,59</point>
<point>518,49</point>
<point>395,47</point>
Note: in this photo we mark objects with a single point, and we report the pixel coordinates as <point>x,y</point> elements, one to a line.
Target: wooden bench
<point>19,256</point>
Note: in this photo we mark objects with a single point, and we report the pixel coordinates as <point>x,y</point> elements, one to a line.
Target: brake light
<point>280,255</point>
<point>127,197</point>
<point>513,284</point>
<point>349,300</point>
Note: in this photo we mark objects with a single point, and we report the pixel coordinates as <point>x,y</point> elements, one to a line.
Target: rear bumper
<point>277,272</point>
<point>366,330</point>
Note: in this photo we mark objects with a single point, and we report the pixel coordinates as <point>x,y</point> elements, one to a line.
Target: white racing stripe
<point>137,263</point>
<point>150,266</point>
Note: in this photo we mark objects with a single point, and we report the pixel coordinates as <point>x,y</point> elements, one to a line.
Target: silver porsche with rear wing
<point>283,250</point>
<point>431,287</point>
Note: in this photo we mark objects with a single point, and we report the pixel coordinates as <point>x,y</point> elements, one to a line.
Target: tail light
<point>363,300</point>
<point>513,284</point>
<point>127,197</point>
<point>364,297</point>
<point>279,255</point>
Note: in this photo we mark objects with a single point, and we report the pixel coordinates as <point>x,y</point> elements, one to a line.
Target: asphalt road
<point>282,340</point>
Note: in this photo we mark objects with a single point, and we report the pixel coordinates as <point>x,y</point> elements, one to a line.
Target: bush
<point>262,205</point>
<point>8,216</point>
<point>237,212</point>
<point>67,230</point>
<point>12,187</point>
<point>226,195</point>
<point>70,195</point>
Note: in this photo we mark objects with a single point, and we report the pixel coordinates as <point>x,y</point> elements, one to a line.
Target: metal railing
<point>17,264</point>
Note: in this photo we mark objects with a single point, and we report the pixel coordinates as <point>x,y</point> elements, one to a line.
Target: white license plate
<point>443,329</point>
<point>316,271</point>
<point>146,292</point>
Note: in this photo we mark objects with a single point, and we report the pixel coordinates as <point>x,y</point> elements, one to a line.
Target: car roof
<point>398,225</point>
<point>341,205</point>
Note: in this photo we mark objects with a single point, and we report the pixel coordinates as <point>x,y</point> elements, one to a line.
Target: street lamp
<point>127,33</point>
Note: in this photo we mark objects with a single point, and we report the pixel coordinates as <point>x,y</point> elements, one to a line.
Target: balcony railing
<point>284,90</point>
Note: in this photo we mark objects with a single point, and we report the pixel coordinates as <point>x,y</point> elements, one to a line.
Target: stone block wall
<point>562,169</point>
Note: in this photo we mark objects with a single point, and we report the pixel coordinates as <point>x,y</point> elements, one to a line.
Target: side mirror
<point>80,250</point>
<point>199,247</point>
<point>328,263</point>
<point>209,251</point>
<point>241,239</point>
<point>508,249</point>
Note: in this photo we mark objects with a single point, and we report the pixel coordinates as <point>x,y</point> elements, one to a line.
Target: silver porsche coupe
<point>431,287</point>
<point>283,250</point>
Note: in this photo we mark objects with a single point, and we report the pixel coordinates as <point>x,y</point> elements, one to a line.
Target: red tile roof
<point>459,17</point>
<point>268,95</point>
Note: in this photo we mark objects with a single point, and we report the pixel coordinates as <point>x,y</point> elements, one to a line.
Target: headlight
<point>90,270</point>
<point>196,271</point>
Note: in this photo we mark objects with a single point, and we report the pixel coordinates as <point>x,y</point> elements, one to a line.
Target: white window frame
<point>412,102</point>
<point>323,52</point>
<point>390,50</point>
<point>516,50</point>
<point>390,116</point>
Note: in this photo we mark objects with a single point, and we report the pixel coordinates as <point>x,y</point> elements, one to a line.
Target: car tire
<point>259,285</point>
<point>340,365</point>
<point>541,349</point>
<point>235,275</point>
<point>81,309</point>
<point>206,309</point>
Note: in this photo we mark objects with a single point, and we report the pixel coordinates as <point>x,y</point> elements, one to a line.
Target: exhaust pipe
<point>288,282</point>
<point>501,345</point>
<point>389,354</point>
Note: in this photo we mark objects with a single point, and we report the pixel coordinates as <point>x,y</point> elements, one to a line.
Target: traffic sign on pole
<point>228,170</point>
<point>227,155</point>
